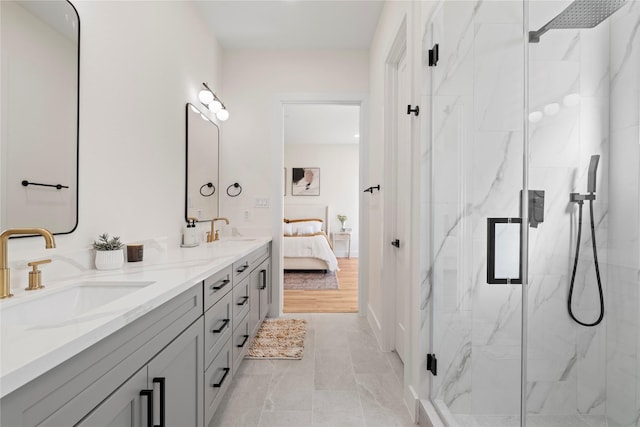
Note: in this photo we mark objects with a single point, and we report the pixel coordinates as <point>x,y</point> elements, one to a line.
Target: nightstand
<point>344,236</point>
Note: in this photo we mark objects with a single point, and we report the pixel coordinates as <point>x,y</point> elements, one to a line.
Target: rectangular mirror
<point>202,192</point>
<point>504,264</point>
<point>40,87</point>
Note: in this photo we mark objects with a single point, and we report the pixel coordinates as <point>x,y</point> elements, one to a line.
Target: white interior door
<point>402,204</point>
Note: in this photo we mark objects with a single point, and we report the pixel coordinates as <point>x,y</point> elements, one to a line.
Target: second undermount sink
<point>59,306</point>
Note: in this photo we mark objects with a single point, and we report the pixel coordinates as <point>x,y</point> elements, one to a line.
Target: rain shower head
<point>579,14</point>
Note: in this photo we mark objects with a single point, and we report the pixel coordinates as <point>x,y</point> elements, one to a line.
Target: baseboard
<point>374,323</point>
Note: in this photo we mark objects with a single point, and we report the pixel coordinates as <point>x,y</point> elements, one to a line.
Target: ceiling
<point>299,24</point>
<point>321,124</point>
<point>292,24</point>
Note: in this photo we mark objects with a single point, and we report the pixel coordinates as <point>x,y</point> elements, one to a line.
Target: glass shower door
<point>476,172</point>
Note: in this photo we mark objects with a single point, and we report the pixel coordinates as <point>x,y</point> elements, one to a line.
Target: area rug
<point>279,339</point>
<point>305,280</point>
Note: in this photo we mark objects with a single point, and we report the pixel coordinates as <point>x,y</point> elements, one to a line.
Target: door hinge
<point>415,110</point>
<point>434,55</point>
<point>432,364</point>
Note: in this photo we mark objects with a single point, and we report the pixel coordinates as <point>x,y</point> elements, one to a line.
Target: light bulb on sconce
<point>222,115</point>
<point>213,103</point>
<point>551,109</point>
<point>206,97</point>
<point>215,106</point>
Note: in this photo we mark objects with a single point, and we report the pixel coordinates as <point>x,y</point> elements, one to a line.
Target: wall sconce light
<point>213,103</point>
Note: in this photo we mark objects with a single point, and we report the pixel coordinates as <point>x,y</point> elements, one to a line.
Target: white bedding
<point>315,246</point>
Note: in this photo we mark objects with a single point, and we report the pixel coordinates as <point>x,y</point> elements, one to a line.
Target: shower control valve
<point>579,198</point>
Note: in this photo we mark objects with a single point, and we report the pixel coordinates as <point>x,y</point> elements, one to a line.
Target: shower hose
<point>595,260</point>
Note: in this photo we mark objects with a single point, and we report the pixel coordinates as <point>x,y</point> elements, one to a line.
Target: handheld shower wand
<point>580,198</point>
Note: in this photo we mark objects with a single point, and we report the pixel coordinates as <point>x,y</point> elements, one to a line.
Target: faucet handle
<point>35,276</point>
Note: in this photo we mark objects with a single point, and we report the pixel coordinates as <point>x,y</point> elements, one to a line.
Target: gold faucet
<point>212,236</point>
<point>5,284</point>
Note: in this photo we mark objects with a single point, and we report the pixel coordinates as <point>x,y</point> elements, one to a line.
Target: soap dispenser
<point>189,236</point>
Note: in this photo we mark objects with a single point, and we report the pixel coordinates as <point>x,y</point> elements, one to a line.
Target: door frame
<point>361,100</point>
<point>398,48</point>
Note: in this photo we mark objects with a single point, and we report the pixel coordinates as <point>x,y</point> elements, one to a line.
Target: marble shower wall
<point>623,329</point>
<point>473,156</point>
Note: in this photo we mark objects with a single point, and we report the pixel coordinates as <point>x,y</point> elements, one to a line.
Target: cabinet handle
<point>243,268</point>
<point>224,283</point>
<point>246,337</point>
<point>160,380</point>
<point>263,273</point>
<point>149,396</point>
<point>225,322</point>
<point>224,376</point>
<point>244,301</point>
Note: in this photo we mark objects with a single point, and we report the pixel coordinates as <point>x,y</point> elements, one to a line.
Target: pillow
<point>305,229</point>
<point>300,226</point>
<point>288,230</point>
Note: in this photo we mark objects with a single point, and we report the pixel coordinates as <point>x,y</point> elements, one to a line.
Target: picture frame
<point>305,181</point>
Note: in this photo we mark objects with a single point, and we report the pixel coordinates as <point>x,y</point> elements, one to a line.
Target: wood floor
<point>343,300</point>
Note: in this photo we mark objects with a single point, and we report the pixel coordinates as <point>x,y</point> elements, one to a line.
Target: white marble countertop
<point>27,352</point>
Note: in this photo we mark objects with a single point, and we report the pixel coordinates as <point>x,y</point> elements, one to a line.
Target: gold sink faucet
<point>212,236</point>
<point>5,284</point>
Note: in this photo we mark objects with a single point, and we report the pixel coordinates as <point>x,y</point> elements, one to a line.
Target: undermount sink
<point>58,306</point>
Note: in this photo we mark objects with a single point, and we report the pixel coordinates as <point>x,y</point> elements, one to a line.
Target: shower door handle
<point>396,243</point>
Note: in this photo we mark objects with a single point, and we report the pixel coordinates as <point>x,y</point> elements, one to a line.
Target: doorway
<point>321,145</point>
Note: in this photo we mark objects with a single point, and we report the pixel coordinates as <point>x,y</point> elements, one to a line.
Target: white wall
<point>253,81</point>
<point>339,172</point>
<point>136,75</point>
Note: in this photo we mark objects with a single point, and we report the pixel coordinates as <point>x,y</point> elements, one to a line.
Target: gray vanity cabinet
<point>122,408</point>
<point>260,294</point>
<point>174,377</point>
<point>101,385</point>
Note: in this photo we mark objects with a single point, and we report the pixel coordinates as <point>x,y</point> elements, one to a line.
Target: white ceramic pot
<point>109,260</point>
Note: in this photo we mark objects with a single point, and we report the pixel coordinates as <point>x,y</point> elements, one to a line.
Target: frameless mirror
<point>503,250</point>
<point>203,191</point>
<point>40,87</point>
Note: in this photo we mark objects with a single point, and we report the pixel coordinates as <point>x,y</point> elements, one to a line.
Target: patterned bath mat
<point>279,339</point>
<point>305,280</point>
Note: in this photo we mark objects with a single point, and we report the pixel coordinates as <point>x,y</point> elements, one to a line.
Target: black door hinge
<point>415,110</point>
<point>434,55</point>
<point>432,364</point>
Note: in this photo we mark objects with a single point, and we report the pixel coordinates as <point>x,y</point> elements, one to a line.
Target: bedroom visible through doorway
<point>321,207</point>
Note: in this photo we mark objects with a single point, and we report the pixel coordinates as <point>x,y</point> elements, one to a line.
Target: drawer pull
<point>244,301</point>
<point>220,284</point>
<point>161,380</point>
<point>243,268</point>
<point>246,337</point>
<point>225,322</point>
<point>224,376</point>
<point>149,395</point>
<point>263,279</point>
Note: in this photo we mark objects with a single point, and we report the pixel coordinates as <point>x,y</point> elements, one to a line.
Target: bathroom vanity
<point>163,354</point>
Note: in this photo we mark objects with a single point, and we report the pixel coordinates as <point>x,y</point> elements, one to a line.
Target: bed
<point>305,243</point>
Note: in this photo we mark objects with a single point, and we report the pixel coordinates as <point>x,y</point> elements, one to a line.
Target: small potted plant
<point>342,219</point>
<point>109,253</point>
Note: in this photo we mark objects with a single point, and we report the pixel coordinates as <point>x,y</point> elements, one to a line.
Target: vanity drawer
<point>216,286</point>
<point>241,302</point>
<point>217,378</point>
<point>243,267</point>
<point>241,342</point>
<point>217,321</point>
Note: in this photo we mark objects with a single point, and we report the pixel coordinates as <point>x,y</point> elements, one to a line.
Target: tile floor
<point>343,380</point>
